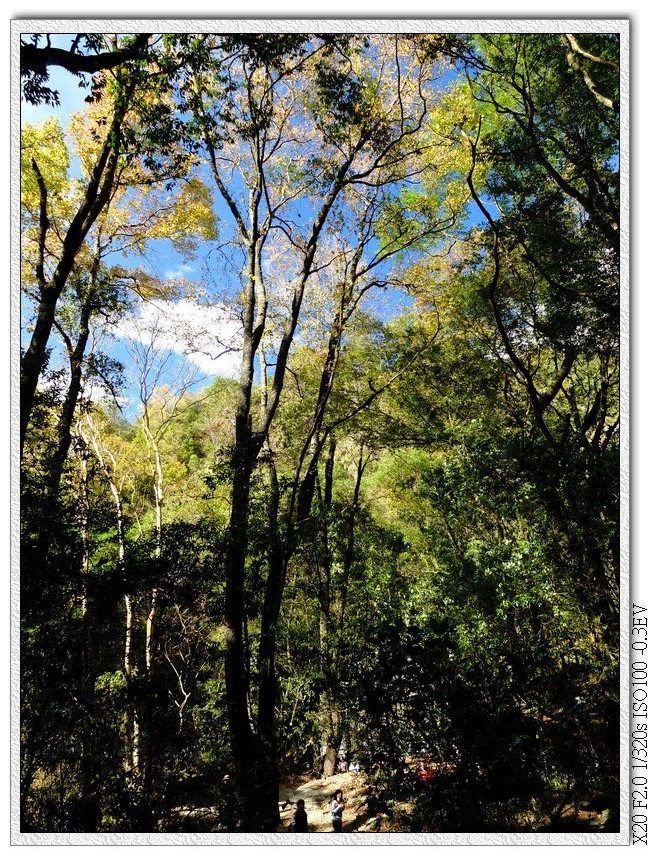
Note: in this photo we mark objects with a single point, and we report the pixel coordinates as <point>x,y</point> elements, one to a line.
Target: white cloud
<point>208,336</point>
<point>183,271</point>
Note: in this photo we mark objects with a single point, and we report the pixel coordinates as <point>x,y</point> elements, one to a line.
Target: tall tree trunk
<point>236,670</point>
<point>86,430</point>
<point>88,761</point>
<point>97,196</point>
<point>131,723</point>
<point>249,754</point>
<point>348,554</point>
<point>150,756</point>
<point>277,564</point>
<point>328,716</point>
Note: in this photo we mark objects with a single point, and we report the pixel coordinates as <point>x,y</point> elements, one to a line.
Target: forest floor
<point>362,812</point>
<point>318,794</point>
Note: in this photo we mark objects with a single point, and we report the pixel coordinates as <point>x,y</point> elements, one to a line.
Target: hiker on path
<point>299,818</point>
<point>337,808</point>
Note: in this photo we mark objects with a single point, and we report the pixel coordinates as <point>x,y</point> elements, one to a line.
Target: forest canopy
<point>319,433</point>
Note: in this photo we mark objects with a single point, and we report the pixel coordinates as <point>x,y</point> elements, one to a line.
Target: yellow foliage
<point>190,217</point>
<point>45,144</point>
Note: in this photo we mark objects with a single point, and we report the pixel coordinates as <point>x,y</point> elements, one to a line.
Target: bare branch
<point>573,48</point>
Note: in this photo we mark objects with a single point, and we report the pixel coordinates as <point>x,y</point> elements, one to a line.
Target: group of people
<point>344,767</point>
<point>298,822</point>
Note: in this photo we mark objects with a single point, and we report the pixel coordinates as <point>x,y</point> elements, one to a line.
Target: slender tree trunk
<point>88,762</point>
<point>348,555</point>
<point>276,577</point>
<point>250,762</point>
<point>149,762</point>
<point>66,418</point>
<point>328,716</point>
<point>235,665</point>
<point>98,193</point>
<point>131,724</point>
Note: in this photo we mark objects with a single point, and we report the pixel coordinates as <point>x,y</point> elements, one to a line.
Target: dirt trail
<point>318,793</point>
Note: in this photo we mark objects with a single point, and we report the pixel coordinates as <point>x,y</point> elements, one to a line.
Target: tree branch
<point>37,60</point>
<point>573,48</point>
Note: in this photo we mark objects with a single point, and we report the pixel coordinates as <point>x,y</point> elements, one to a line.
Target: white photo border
<point>325,24</point>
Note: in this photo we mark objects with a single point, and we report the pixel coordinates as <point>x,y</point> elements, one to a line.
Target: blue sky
<point>70,94</point>
<point>217,324</point>
<point>637,497</point>
<point>163,260</point>
<point>208,358</point>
